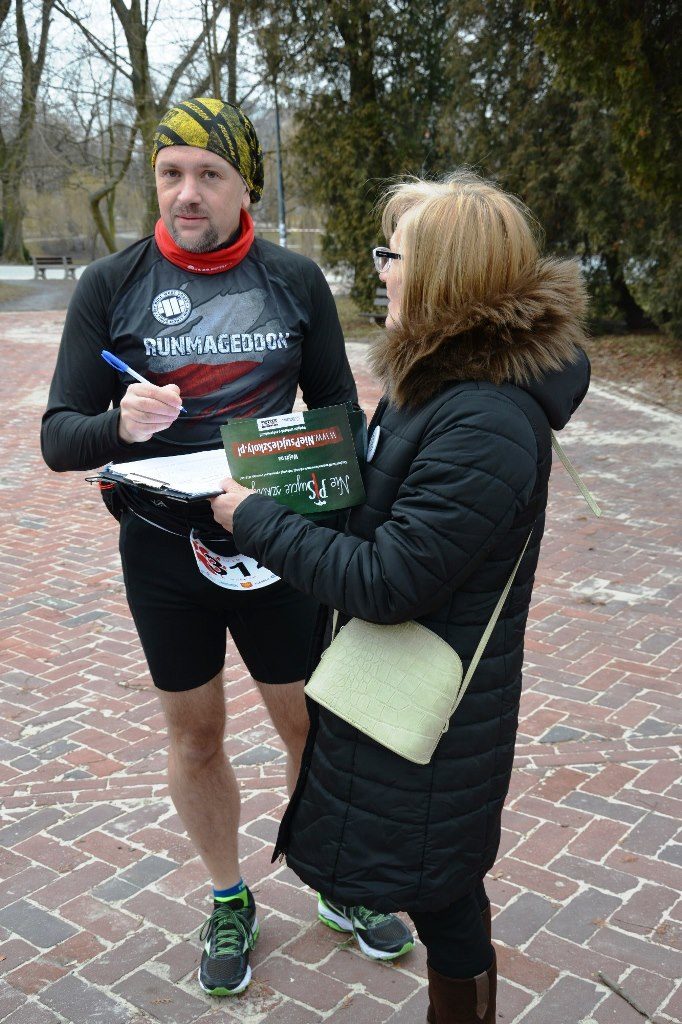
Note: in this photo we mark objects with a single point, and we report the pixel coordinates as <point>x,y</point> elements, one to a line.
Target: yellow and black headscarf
<point>219,127</point>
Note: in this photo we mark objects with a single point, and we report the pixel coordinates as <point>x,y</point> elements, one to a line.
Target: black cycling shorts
<point>182,617</point>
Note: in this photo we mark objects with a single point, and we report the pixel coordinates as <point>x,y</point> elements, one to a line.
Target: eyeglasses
<point>382,257</point>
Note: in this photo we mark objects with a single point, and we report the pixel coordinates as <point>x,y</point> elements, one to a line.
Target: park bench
<point>380,307</point>
<point>41,263</point>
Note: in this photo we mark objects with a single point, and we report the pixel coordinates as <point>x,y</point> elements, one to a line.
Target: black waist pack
<point>169,514</point>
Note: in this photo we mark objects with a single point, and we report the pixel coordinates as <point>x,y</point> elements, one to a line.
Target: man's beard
<point>204,243</point>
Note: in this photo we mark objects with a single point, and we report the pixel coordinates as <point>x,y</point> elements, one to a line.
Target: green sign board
<point>305,460</point>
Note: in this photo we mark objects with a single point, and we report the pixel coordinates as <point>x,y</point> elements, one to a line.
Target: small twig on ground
<point>623,995</point>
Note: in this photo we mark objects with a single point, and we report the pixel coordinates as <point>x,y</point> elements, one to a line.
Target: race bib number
<point>233,572</point>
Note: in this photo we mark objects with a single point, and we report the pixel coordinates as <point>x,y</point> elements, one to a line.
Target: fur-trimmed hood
<point>522,337</point>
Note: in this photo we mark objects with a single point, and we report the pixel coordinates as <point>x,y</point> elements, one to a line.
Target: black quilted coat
<point>457,481</point>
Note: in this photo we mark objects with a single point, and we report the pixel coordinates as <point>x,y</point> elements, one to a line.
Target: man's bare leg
<point>287,709</point>
<point>202,783</point>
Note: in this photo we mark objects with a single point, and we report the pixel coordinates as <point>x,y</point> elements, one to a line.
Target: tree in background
<point>102,139</point>
<point>515,119</point>
<point>340,145</point>
<point>14,146</point>
<point>420,88</point>
<point>222,58</point>
<point>364,81</point>
<point>623,54</point>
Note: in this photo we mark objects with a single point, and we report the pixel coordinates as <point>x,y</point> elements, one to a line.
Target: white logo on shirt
<point>171,307</point>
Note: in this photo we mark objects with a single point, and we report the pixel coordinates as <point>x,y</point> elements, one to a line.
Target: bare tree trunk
<point>232,46</point>
<point>13,249</point>
<point>136,30</point>
<point>635,317</point>
<point>212,53</point>
<point>106,225</point>
<point>14,152</point>
<point>217,57</point>
<point>353,22</point>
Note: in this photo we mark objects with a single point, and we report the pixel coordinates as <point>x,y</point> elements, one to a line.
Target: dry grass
<point>10,292</point>
<point>650,363</point>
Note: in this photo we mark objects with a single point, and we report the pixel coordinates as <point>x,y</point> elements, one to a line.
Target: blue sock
<point>223,895</point>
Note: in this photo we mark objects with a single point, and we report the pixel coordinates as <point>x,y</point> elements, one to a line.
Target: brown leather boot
<point>486,916</point>
<point>462,1001</point>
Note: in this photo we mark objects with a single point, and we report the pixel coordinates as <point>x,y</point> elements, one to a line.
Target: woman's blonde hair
<point>463,240</point>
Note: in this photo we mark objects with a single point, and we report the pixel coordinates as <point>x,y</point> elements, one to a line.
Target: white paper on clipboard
<point>193,475</point>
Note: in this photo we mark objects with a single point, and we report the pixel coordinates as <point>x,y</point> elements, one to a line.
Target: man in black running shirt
<point>225,325</point>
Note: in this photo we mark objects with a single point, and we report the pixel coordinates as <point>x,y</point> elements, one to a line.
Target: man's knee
<point>194,746</point>
<point>196,722</point>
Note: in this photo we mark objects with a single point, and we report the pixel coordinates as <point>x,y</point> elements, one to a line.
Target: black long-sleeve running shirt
<point>236,343</point>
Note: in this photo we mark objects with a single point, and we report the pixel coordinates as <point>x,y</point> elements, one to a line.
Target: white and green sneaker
<point>380,936</point>
<point>229,935</point>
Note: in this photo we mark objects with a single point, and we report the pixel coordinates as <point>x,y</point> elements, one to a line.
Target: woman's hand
<point>225,505</point>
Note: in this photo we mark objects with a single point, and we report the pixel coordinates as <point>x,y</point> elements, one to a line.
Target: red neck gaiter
<point>206,262</point>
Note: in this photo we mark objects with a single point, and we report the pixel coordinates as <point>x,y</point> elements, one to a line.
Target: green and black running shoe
<point>229,935</point>
<point>380,936</point>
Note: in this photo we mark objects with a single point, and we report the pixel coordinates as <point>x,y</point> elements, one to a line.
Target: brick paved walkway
<point>101,898</point>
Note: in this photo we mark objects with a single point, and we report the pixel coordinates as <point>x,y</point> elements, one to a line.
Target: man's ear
<point>246,199</point>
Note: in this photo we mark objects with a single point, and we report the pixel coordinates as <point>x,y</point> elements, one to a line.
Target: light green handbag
<point>401,684</point>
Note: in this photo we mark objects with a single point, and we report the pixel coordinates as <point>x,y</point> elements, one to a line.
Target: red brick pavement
<point>101,897</point>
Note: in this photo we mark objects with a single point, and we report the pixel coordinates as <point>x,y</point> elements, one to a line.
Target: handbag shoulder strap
<point>575,476</point>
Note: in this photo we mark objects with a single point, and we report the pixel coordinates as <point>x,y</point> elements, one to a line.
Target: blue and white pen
<point>122,367</point>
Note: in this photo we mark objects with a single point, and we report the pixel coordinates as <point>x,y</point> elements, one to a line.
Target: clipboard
<point>184,478</point>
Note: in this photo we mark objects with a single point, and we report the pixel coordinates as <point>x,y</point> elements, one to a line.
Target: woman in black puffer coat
<point>480,359</point>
